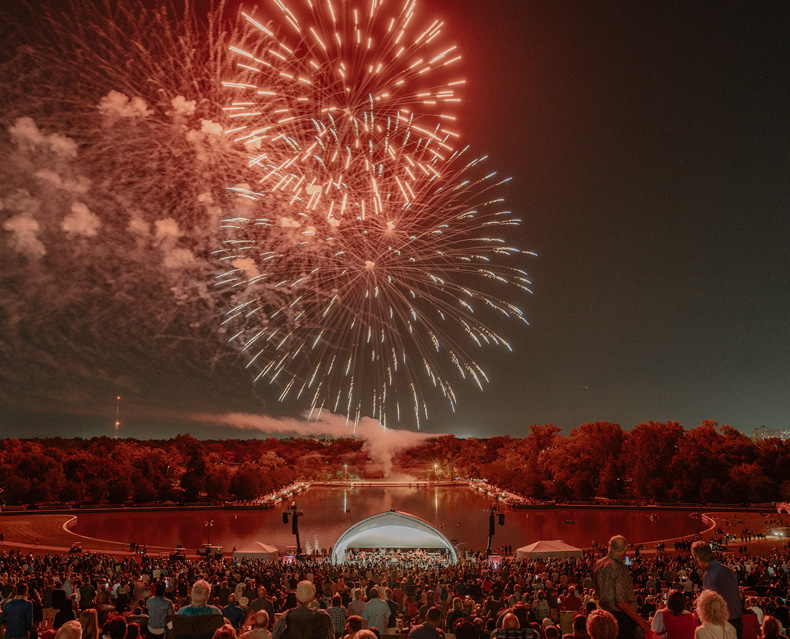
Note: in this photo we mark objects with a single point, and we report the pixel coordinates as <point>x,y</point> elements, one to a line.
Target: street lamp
<point>209,524</point>
<point>294,513</point>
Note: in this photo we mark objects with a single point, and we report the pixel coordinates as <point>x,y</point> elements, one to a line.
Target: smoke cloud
<point>380,444</point>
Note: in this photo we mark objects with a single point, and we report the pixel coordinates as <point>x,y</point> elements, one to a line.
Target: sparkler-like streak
<point>113,176</point>
<point>382,257</point>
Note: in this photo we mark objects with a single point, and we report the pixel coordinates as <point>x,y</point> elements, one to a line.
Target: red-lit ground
<point>47,533</point>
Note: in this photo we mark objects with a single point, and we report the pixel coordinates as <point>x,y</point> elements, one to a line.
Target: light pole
<point>493,516</point>
<point>294,513</point>
<point>117,414</point>
<point>209,524</point>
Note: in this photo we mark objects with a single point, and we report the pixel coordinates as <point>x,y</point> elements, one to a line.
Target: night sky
<point>648,145</point>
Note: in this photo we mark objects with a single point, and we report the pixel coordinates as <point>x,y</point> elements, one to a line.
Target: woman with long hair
<point>89,620</point>
<point>674,621</point>
<point>771,628</point>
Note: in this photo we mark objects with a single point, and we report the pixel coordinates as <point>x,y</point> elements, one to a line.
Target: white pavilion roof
<point>392,529</point>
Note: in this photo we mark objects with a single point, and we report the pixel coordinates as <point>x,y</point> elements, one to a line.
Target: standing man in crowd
<point>304,621</point>
<point>429,629</point>
<point>376,612</point>
<point>18,614</point>
<point>720,579</point>
<point>262,602</point>
<point>615,590</point>
<point>158,609</point>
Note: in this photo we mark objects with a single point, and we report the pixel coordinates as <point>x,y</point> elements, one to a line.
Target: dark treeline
<point>182,469</point>
<point>655,462</point>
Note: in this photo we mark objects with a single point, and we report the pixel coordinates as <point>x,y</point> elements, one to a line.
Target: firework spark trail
<point>340,63</point>
<point>112,184</point>
<point>381,255</point>
<point>349,94</point>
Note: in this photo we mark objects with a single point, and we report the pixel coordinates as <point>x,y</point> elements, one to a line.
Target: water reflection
<point>328,512</point>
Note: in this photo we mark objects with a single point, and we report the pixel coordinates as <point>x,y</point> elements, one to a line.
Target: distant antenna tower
<point>117,415</point>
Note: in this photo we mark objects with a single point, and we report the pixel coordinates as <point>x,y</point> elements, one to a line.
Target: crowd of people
<point>685,595</point>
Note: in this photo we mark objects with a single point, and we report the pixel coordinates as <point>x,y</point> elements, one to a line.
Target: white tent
<point>548,548</point>
<point>257,551</point>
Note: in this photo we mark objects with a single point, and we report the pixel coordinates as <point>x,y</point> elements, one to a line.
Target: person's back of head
<point>465,630</point>
<point>21,589</point>
<point>201,591</point>
<point>226,631</point>
<point>580,625</point>
<point>676,602</point>
<point>552,632</point>
<point>510,621</point>
<point>305,592</point>
<point>133,630</point>
<point>617,544</point>
<point>711,608</point>
<point>116,627</point>
<point>702,552</point>
<point>160,589</point>
<point>770,627</point>
<point>434,615</point>
<point>261,619</point>
<point>354,623</point>
<point>522,613</point>
<point>69,630</point>
<point>601,624</point>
